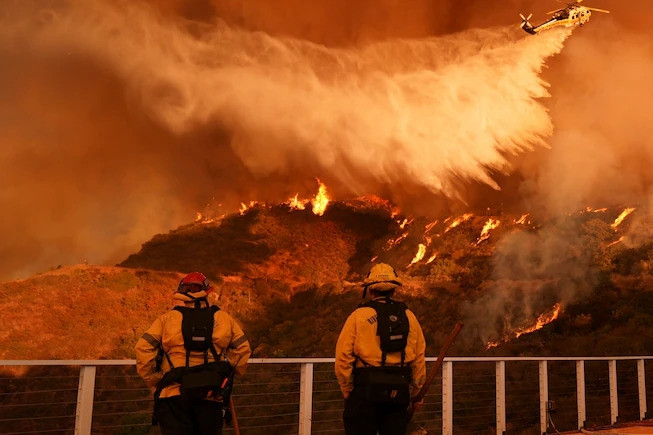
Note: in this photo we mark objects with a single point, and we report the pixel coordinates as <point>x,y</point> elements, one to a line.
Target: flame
<point>200,218</point>
<point>297,204</point>
<point>522,220</point>
<point>395,242</point>
<point>491,344</point>
<point>430,260</point>
<point>430,226</point>
<point>244,207</point>
<point>592,210</point>
<point>622,216</point>
<point>459,220</point>
<point>421,250</point>
<point>542,320</point>
<point>374,259</point>
<point>321,199</point>
<point>621,239</point>
<point>489,225</point>
<point>405,222</point>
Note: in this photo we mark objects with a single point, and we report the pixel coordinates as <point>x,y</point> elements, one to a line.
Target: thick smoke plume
<point>121,120</point>
<point>600,156</point>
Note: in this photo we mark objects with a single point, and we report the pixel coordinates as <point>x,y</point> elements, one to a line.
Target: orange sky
<point>104,145</point>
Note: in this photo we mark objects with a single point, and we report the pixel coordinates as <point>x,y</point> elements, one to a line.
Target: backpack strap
<point>392,301</point>
<point>202,343</point>
<point>379,306</point>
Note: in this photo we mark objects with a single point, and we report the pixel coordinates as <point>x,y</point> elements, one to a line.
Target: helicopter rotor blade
<point>598,10</point>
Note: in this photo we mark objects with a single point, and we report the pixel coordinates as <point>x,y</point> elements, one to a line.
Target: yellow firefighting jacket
<point>166,332</point>
<point>358,341</point>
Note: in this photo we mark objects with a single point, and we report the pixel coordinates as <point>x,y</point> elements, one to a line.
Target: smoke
<point>599,156</point>
<point>121,121</point>
<point>400,110</point>
<point>602,149</point>
<point>532,271</point>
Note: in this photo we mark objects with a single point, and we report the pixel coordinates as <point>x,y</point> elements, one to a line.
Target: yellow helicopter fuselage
<point>570,17</point>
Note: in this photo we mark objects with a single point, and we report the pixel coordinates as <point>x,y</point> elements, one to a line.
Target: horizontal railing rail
<point>302,396</point>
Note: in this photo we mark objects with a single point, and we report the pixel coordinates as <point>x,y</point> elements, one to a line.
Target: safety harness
<point>197,382</point>
<point>387,384</point>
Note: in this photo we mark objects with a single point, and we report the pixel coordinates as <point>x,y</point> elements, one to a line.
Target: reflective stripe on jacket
<point>358,338</point>
<point>166,332</point>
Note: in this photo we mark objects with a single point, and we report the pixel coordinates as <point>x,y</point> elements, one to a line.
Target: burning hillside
<point>291,276</point>
<point>508,275</point>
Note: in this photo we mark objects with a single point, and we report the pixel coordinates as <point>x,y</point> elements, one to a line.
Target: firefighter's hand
<point>417,405</point>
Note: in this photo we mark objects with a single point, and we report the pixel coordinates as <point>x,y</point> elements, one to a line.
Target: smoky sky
<point>121,120</point>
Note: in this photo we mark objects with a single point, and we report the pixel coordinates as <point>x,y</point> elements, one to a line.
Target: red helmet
<point>194,282</point>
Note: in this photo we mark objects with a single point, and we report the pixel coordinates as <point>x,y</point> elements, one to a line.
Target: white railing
<point>301,395</point>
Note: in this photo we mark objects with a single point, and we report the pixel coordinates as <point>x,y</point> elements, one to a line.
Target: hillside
<point>290,277</point>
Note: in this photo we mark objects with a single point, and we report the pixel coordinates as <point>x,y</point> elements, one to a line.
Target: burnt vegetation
<point>291,278</point>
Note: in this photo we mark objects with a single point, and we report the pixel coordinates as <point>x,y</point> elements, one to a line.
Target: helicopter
<point>571,15</point>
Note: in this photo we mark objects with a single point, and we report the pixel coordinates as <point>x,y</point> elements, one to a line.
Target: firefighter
<point>163,355</point>
<point>377,377</point>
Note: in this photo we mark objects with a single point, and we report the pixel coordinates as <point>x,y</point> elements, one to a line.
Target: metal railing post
<point>85,394</point>
<point>544,396</point>
<point>500,369</point>
<point>447,398</point>
<point>305,398</point>
<point>580,394</point>
<point>614,395</point>
<point>641,387</point>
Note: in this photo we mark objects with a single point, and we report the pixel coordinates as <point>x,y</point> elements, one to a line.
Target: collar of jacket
<point>189,298</point>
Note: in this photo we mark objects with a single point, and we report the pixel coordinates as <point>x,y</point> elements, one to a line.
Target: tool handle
<point>438,363</point>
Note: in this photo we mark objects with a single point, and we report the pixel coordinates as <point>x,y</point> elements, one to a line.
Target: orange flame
<point>297,204</point>
<point>593,210</point>
<point>430,226</point>
<point>621,239</point>
<point>405,222</point>
<point>430,260</point>
<point>624,214</point>
<point>522,220</point>
<point>321,199</point>
<point>395,242</point>
<point>421,250</point>
<point>200,218</point>
<point>459,220</point>
<point>244,207</point>
<point>542,320</point>
<point>485,232</point>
